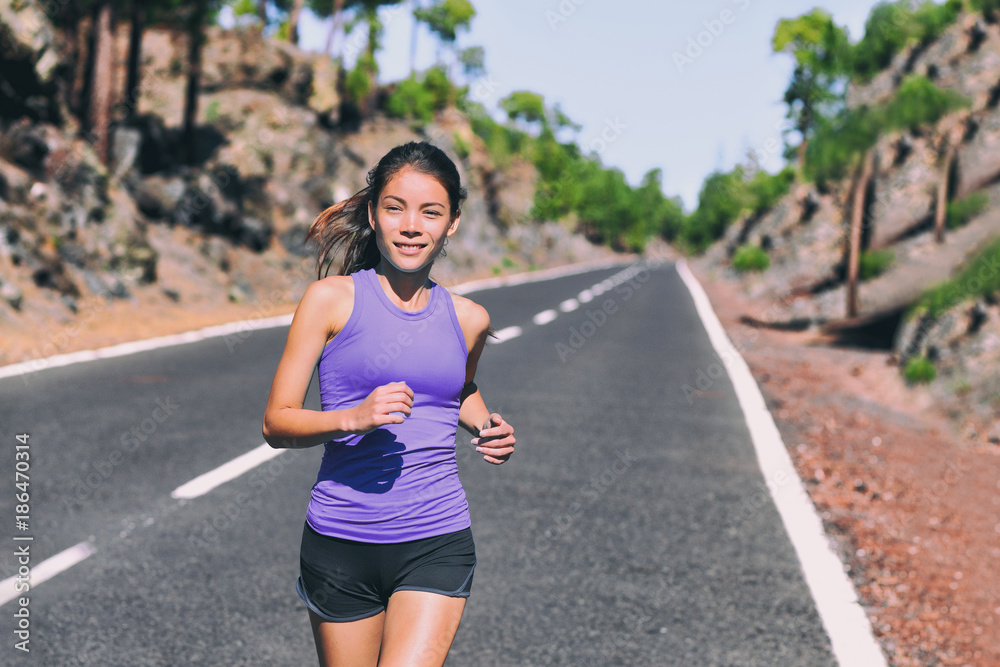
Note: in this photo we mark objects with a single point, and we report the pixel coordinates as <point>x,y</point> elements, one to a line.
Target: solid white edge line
<point>47,569</point>
<point>846,624</point>
<point>132,347</point>
<point>544,317</point>
<point>202,484</point>
<point>506,334</point>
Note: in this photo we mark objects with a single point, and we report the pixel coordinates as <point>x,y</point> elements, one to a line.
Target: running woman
<point>387,553</point>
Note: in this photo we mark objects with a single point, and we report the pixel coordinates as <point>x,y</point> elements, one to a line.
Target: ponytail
<point>345,225</point>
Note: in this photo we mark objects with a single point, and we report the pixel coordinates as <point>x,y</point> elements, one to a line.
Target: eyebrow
<point>431,203</point>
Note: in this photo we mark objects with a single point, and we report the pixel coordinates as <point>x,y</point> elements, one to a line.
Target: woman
<point>387,554</point>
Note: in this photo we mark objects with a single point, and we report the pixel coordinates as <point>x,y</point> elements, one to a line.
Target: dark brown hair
<point>345,224</point>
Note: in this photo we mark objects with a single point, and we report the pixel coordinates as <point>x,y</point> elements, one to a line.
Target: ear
<point>453,226</point>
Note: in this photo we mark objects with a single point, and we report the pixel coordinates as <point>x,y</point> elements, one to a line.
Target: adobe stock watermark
<point>129,442</point>
<point>586,496</point>
<point>624,284</point>
<point>211,529</point>
<point>704,39</point>
<point>561,12</point>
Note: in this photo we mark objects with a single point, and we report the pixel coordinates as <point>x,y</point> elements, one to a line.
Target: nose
<point>411,224</point>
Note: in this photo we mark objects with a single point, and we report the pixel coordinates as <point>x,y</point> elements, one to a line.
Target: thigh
<point>347,644</point>
<point>419,628</point>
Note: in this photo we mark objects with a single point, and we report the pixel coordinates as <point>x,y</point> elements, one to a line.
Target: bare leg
<point>419,628</point>
<point>348,644</point>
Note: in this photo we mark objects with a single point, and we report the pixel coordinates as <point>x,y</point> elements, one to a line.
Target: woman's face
<point>411,220</point>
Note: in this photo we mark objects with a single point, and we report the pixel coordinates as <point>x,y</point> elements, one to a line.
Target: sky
<point>686,87</point>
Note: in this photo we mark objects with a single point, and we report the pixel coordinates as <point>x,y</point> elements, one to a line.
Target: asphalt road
<point>631,527</point>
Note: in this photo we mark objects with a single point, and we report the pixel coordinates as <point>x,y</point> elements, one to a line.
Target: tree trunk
<point>413,40</point>
<point>857,218</point>
<point>293,21</point>
<point>262,14</point>
<point>104,67</point>
<point>134,57</point>
<point>196,35</point>
<point>85,80</point>
<point>338,6</point>
<point>941,210</point>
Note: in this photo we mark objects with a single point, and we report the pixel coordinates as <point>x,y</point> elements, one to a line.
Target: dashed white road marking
<point>586,296</point>
<point>47,569</point>
<point>202,484</point>
<point>506,334</point>
<point>569,305</point>
<point>850,633</point>
<point>544,317</point>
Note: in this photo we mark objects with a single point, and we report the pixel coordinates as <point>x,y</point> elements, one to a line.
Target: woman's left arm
<point>494,436</point>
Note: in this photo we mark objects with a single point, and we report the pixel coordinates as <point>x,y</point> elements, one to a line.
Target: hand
<point>496,440</point>
<point>389,404</point>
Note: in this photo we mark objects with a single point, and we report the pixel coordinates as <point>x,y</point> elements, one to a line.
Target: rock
<point>158,197</point>
<point>255,234</point>
<point>24,145</point>
<point>12,294</point>
<point>29,56</point>
<point>125,150</point>
<point>994,434</point>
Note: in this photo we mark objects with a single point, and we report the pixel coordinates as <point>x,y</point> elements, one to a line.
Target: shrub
<point>874,262</point>
<point>750,258</point>
<point>919,370</point>
<point>919,102</point>
<point>962,210</point>
<point>979,277</point>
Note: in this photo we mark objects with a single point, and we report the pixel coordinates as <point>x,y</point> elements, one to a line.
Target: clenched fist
<point>389,404</point>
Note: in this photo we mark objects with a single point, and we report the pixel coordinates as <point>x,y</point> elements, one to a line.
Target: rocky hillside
<point>806,235</point>
<point>79,241</point>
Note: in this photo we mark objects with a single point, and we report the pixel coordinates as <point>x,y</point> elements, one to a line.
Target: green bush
<point>420,98</point>
<point>358,84</point>
<point>462,147</point>
<point>919,370</point>
<point>989,8</point>
<point>891,26</point>
<point>979,277</point>
<point>962,210</point>
<point>750,258</point>
<point>872,263</point>
<point>919,102</point>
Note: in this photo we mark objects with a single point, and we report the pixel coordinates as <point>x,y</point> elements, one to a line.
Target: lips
<point>410,248</point>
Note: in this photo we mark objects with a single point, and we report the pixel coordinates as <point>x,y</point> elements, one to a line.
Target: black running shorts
<point>344,580</point>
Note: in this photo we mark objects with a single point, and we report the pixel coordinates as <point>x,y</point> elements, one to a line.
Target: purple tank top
<point>399,482</point>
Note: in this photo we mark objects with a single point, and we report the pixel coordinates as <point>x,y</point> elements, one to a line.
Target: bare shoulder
<point>473,318</point>
<point>331,299</point>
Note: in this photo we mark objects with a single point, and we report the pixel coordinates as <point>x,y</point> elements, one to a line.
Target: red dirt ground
<point>913,507</point>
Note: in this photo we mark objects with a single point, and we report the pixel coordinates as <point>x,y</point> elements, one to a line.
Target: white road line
<point>132,347</point>
<point>506,334</point>
<point>202,484</point>
<point>545,317</point>
<point>843,618</point>
<point>569,305</point>
<point>47,569</point>
<point>586,296</point>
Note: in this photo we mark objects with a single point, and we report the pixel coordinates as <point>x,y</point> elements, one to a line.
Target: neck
<point>409,289</point>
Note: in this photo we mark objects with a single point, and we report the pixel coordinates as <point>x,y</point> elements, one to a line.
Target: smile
<point>410,247</point>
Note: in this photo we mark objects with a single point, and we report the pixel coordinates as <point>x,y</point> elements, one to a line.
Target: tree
<point>445,18</point>
<point>195,27</point>
<point>822,60</point>
<point>104,64</point>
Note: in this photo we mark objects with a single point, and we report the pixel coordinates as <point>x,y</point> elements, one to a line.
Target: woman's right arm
<point>324,309</point>
<point>319,313</point>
